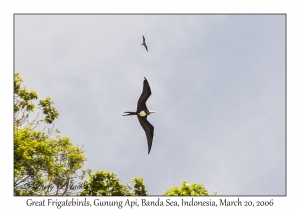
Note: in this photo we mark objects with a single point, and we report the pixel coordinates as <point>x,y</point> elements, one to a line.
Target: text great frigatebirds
<point>142,112</point>
<point>144,43</point>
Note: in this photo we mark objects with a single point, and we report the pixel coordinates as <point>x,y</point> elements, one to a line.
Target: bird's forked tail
<point>129,113</point>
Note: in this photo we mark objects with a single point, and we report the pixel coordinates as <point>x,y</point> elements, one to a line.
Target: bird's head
<point>150,112</point>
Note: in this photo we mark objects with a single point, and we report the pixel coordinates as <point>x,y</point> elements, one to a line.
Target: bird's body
<point>144,43</point>
<point>142,112</point>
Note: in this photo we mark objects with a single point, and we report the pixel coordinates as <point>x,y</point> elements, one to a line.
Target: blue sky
<point>217,81</point>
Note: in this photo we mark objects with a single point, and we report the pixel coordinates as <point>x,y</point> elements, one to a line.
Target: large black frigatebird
<point>144,43</point>
<point>142,112</point>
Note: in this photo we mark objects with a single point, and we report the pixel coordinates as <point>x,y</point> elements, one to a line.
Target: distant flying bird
<point>144,43</point>
<point>142,112</point>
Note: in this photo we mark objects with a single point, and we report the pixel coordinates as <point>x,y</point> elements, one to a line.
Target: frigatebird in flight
<point>142,112</point>
<point>144,43</point>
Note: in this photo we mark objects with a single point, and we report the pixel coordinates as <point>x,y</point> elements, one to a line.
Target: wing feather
<point>149,130</point>
<point>144,97</point>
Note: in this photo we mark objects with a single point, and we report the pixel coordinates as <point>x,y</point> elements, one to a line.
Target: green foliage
<point>104,183</point>
<point>187,190</point>
<point>48,110</point>
<point>139,187</point>
<point>24,104</point>
<point>42,165</point>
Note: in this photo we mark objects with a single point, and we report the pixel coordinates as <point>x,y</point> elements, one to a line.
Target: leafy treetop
<point>42,165</point>
<point>104,183</point>
<point>187,190</point>
<point>23,105</point>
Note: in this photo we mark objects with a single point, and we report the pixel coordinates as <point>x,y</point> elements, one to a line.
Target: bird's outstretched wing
<point>146,47</point>
<point>149,130</point>
<point>143,39</point>
<point>141,105</point>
